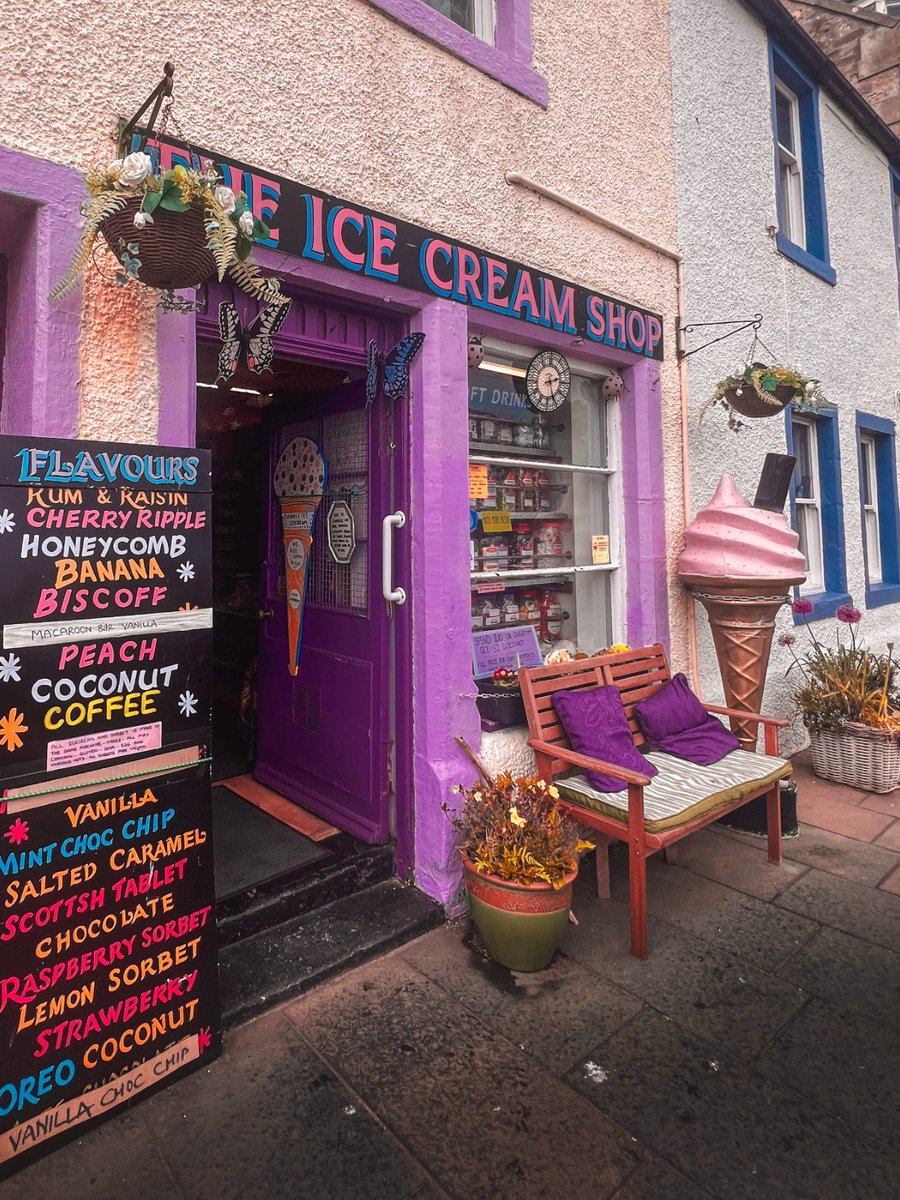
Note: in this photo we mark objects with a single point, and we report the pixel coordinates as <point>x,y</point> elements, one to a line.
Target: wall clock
<point>547,381</point>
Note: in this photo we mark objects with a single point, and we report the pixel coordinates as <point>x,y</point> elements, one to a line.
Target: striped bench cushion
<point>682,790</point>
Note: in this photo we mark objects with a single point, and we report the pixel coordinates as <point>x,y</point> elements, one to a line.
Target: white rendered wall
<point>846,335</point>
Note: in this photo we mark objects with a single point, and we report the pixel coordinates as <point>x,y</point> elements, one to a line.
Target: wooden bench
<point>638,674</point>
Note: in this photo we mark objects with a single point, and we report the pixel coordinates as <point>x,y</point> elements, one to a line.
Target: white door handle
<point>392,520</point>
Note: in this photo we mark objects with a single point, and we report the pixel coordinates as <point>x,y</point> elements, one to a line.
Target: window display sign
<point>510,648</point>
<point>108,971</point>
<point>105,603</point>
<point>478,481</point>
<point>353,237</point>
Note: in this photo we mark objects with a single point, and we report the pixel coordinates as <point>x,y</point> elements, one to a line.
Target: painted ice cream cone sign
<point>300,480</point>
<point>740,563</point>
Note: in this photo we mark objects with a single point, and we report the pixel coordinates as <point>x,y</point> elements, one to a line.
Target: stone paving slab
<point>854,975</point>
<point>844,1064</point>
<point>739,861</point>
<point>737,1134</point>
<point>705,986</point>
<point>890,838</point>
<point>488,1120</point>
<point>844,904</point>
<point>555,1015</point>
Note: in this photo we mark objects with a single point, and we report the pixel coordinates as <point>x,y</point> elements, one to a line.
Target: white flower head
<point>245,223</point>
<point>135,169</point>
<point>141,219</point>
<point>225,198</point>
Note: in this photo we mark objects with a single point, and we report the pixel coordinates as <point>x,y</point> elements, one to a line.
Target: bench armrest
<point>777,722</point>
<point>590,764</point>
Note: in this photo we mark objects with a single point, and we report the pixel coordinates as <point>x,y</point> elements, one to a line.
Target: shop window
<point>878,503</point>
<point>492,35</point>
<point>817,508</point>
<point>799,172</point>
<point>552,487</point>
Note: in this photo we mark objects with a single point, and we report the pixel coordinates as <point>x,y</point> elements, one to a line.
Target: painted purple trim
<point>176,355</point>
<point>644,506</point>
<point>508,60</point>
<point>40,387</point>
<point>440,590</point>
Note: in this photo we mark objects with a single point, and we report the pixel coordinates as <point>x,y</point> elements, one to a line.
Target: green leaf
<point>151,201</point>
<point>243,248</point>
<point>173,203</point>
<point>769,383</point>
<point>260,228</point>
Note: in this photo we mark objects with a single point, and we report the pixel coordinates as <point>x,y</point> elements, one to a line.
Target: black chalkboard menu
<point>108,959</point>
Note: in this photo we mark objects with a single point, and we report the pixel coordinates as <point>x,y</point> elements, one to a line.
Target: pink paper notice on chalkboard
<point>511,648</point>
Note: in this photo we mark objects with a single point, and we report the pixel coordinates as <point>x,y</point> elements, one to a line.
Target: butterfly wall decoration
<point>255,341</point>
<point>390,371</point>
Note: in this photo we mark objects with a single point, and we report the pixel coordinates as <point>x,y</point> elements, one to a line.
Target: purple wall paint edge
<point>40,393</point>
<point>508,61</point>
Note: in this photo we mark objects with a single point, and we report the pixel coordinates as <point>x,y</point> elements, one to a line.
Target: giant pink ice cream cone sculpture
<point>300,479</point>
<point>740,563</point>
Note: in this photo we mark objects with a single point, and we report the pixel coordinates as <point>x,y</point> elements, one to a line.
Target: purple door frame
<point>432,561</point>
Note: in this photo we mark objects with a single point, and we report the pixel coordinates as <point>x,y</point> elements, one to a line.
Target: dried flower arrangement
<point>764,391</point>
<point>846,683</point>
<point>514,829</point>
<point>128,196</point>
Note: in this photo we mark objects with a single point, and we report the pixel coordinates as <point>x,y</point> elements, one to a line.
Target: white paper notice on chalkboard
<point>512,648</point>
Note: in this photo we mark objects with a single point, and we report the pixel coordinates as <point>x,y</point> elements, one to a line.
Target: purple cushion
<point>596,724</point>
<point>674,721</point>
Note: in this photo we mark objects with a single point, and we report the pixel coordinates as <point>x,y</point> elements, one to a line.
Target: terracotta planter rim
<point>538,886</point>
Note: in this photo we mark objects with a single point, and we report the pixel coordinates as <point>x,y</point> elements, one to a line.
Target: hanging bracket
<point>742,323</point>
<point>162,89</point>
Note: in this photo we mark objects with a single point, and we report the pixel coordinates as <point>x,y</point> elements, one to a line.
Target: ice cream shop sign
<point>322,228</point>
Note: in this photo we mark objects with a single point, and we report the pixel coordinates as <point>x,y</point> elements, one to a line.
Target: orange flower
<point>10,727</point>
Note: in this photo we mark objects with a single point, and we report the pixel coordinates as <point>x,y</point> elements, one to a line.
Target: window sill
<point>803,258</point>
<point>878,594</point>
<point>825,604</point>
<point>513,72</point>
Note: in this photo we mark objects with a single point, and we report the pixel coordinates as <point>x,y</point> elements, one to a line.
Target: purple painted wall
<point>39,227</point>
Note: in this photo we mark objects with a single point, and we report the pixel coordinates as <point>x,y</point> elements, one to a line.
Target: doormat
<point>280,808</point>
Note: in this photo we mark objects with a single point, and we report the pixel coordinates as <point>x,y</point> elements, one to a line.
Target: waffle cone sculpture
<point>740,563</point>
<point>300,479</point>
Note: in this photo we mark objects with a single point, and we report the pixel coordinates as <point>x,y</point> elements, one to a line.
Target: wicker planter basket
<point>172,250</point>
<point>748,403</point>
<point>860,757</point>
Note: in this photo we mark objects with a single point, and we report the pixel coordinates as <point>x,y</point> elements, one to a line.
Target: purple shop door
<point>324,734</point>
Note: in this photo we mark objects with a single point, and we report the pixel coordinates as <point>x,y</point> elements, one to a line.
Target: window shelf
<point>549,464</point>
<point>541,574</point>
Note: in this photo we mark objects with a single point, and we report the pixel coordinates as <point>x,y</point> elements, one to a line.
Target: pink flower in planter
<point>848,614</point>
<point>801,607</point>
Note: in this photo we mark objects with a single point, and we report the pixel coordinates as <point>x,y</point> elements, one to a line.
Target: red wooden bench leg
<point>773,824</point>
<point>637,873</point>
<point>602,852</point>
<point>670,853</point>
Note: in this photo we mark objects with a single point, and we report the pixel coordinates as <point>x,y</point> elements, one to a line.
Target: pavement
<point>754,1055</point>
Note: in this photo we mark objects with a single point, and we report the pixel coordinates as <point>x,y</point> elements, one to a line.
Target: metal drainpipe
<point>531,185</point>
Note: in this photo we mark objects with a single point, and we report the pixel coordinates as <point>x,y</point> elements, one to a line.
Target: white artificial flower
<point>135,169</point>
<point>141,219</point>
<point>245,223</point>
<point>116,165</point>
<point>225,198</point>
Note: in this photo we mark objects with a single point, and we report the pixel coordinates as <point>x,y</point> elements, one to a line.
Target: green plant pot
<point>521,925</point>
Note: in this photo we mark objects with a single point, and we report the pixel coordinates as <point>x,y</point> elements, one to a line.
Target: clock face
<point>547,381</point>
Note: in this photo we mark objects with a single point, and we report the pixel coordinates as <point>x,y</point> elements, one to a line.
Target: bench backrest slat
<point>636,673</point>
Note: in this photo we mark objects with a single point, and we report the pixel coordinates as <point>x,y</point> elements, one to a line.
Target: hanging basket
<point>859,757</point>
<point>172,251</point>
<point>747,401</point>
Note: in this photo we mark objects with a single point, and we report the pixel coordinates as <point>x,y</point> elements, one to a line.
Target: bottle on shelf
<point>522,546</point>
<point>494,552</point>
<point>508,490</point>
<point>548,544</point>
<point>509,608</point>
<point>477,612</point>
<point>550,627</point>
<point>527,492</point>
<point>490,612</point>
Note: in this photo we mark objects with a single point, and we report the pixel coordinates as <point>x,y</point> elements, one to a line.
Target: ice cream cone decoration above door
<point>301,477</point>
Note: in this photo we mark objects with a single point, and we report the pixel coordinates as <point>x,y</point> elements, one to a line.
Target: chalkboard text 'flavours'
<point>60,466</point>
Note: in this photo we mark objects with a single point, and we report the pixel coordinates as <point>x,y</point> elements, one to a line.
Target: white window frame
<point>483,19</point>
<point>809,513</point>
<point>871,516</point>
<point>790,166</point>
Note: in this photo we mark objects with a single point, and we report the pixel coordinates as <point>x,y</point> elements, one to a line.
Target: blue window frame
<point>817,506</point>
<point>799,172</point>
<point>876,448</point>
